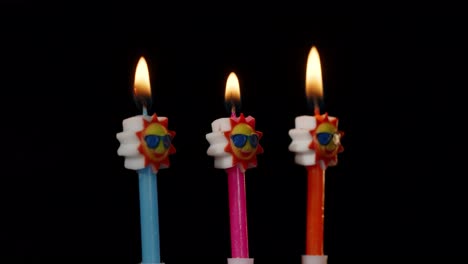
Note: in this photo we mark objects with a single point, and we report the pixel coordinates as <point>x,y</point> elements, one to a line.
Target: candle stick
<point>316,142</point>
<point>237,213</point>
<point>146,143</point>
<point>234,143</point>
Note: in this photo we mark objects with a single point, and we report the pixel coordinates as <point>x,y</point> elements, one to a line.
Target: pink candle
<point>238,213</point>
<point>234,143</point>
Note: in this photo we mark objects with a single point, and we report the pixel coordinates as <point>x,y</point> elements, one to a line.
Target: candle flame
<point>232,94</point>
<point>142,87</point>
<point>314,84</point>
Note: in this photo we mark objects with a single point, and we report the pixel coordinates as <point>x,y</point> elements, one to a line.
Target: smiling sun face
<point>156,143</point>
<point>244,142</point>
<point>327,140</point>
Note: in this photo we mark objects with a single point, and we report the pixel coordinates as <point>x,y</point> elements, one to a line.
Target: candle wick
<point>145,110</point>
<point>316,106</point>
<point>316,110</point>
<point>233,110</point>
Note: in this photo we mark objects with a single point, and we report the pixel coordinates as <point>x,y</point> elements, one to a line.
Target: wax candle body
<point>238,213</point>
<point>236,186</point>
<point>235,158</point>
<point>315,210</point>
<point>149,216</point>
<point>138,157</point>
<point>316,154</point>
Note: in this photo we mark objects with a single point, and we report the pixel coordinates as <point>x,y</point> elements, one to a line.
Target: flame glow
<point>314,84</point>
<point>232,93</point>
<point>142,85</point>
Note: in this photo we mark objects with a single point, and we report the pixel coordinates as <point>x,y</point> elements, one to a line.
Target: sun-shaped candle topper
<point>156,143</point>
<point>243,142</point>
<point>326,140</point>
<point>316,140</point>
<point>145,140</point>
<point>234,141</point>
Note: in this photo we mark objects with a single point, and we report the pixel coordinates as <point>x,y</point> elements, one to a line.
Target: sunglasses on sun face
<point>152,141</point>
<point>325,138</point>
<point>239,140</point>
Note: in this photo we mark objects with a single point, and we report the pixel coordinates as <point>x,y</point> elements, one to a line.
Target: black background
<point>67,85</point>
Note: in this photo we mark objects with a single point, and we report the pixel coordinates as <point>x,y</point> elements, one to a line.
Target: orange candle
<point>316,142</point>
<point>315,210</point>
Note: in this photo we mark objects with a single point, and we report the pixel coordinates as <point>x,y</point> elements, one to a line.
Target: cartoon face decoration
<point>244,141</point>
<point>328,139</point>
<point>155,143</point>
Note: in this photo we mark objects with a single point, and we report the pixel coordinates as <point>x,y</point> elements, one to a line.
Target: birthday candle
<point>316,142</point>
<point>234,143</point>
<point>146,143</point>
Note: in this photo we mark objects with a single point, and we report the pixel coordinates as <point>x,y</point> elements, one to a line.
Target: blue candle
<point>149,213</point>
<point>146,144</point>
<point>149,218</point>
